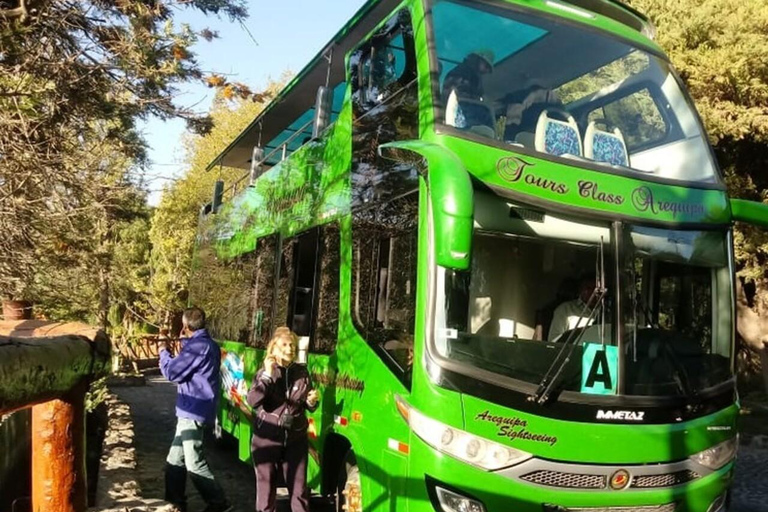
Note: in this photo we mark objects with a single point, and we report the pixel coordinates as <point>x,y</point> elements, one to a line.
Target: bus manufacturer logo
<point>620,415</point>
<point>620,480</point>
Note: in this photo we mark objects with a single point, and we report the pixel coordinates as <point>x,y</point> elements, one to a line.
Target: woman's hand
<point>270,363</point>
<point>312,397</point>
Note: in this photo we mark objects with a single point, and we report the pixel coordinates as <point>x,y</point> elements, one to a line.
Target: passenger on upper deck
<point>466,79</point>
<point>463,93</point>
<point>523,108</point>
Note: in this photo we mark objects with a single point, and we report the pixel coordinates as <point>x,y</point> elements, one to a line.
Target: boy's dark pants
<point>290,457</point>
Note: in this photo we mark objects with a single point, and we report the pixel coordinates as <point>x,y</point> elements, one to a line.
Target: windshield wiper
<point>550,379</point>
<point>547,384</point>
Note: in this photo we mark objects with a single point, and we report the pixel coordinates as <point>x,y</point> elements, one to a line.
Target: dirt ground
<point>152,408</point>
<point>146,415</point>
<point>142,423</point>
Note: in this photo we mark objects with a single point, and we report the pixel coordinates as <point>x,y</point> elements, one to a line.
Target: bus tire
<point>349,496</point>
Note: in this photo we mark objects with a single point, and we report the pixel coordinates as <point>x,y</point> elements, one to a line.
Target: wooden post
<point>58,454</point>
<point>48,366</point>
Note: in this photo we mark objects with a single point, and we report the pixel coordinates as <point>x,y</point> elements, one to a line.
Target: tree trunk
<point>753,329</point>
<point>104,298</point>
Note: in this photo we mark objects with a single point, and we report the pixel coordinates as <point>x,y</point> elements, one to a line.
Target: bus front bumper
<point>444,484</point>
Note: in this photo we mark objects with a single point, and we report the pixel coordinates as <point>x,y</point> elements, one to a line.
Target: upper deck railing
<point>256,171</point>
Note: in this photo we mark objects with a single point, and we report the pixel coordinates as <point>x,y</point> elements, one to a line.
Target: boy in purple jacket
<point>195,370</point>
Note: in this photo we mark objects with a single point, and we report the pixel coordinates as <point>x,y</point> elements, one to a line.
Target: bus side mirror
<point>218,193</point>
<point>256,158</point>
<point>451,196</point>
<point>323,108</point>
<point>750,212</point>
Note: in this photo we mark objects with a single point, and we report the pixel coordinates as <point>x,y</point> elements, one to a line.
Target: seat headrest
<point>604,146</point>
<point>557,137</point>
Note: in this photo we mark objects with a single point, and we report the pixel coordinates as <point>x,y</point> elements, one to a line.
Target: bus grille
<point>666,480</point>
<point>565,480</point>
<point>668,507</point>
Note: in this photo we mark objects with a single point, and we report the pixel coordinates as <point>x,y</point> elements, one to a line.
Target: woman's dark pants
<point>290,457</point>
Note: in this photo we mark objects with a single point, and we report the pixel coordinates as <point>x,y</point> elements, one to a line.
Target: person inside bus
<point>566,291</point>
<point>463,92</point>
<point>280,395</point>
<point>574,313</point>
<point>522,112</point>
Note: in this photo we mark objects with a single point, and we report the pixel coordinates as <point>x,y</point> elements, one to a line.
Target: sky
<point>278,36</point>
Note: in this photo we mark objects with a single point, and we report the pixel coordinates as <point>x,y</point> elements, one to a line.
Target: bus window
<point>263,291</point>
<point>384,245</point>
<point>326,329</point>
<point>302,296</point>
<point>384,65</point>
<point>284,288</point>
<point>678,317</point>
<point>506,76</point>
<point>385,109</point>
<point>308,287</point>
<point>636,116</point>
<point>224,287</point>
<point>533,288</point>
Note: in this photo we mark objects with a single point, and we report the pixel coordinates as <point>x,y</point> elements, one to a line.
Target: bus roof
<point>299,95</point>
<point>293,108</point>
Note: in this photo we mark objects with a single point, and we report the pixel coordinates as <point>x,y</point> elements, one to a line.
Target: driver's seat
<point>556,137</point>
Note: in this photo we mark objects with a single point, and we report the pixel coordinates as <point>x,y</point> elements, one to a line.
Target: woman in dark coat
<point>280,396</point>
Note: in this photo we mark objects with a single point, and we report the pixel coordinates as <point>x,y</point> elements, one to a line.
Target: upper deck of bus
<point>591,67</point>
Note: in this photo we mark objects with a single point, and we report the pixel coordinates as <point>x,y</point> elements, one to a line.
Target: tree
<point>102,253</point>
<point>174,223</point>
<point>75,74</point>
<point>720,50</point>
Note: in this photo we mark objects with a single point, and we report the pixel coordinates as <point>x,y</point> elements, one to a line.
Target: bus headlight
<point>717,456</point>
<point>453,502</point>
<point>462,445</point>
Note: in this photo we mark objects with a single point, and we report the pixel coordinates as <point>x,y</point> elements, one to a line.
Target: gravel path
<point>750,486</point>
<point>152,410</point>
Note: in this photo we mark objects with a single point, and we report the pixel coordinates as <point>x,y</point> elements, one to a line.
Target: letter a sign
<point>599,364</point>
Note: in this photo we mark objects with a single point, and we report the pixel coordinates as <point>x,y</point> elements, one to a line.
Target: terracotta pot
<point>17,310</point>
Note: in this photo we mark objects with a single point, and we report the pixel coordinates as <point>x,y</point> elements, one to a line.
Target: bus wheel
<point>349,496</point>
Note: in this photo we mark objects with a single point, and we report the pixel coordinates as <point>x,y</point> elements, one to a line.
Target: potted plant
<point>16,301</point>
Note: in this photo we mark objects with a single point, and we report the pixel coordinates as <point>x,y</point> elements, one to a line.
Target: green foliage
<point>97,393</point>
<point>719,49</point>
<point>74,79</point>
<point>98,269</point>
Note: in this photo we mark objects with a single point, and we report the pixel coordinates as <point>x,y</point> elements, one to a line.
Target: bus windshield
<point>549,87</point>
<point>677,291</point>
<point>532,295</point>
<point>533,291</point>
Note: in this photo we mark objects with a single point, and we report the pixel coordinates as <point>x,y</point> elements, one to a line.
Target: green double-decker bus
<point>502,236</point>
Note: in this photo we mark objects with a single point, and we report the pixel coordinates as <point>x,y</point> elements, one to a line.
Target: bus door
<point>301,302</point>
